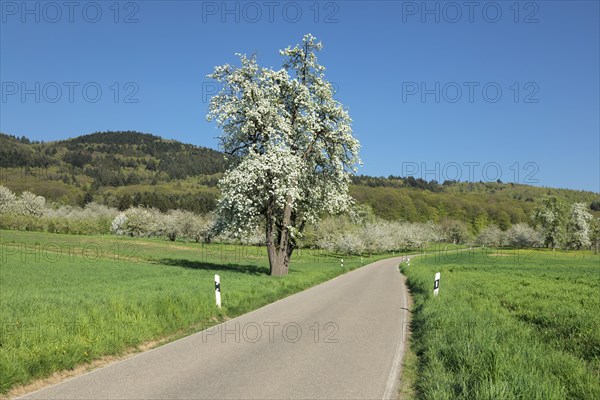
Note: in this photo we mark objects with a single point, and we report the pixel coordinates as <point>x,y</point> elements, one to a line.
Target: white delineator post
<point>218,290</point>
<point>436,284</point>
<point>342,263</point>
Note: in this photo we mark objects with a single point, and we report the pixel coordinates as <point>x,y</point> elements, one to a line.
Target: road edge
<point>395,375</point>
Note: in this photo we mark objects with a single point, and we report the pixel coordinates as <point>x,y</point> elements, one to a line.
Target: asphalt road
<point>342,339</point>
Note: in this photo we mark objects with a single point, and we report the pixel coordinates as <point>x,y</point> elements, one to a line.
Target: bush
<point>20,222</point>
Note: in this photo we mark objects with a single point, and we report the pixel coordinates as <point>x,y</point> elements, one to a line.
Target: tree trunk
<point>280,250</point>
<point>278,261</point>
<point>279,258</point>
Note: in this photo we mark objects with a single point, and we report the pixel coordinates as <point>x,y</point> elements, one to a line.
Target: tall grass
<point>511,325</point>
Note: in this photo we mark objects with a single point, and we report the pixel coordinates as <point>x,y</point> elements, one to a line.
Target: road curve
<point>342,339</point>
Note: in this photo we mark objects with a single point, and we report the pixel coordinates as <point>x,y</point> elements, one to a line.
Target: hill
<point>116,168</point>
<point>121,169</point>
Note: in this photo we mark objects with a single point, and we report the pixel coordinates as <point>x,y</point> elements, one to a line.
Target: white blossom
<point>119,225</point>
<point>294,144</point>
<point>522,235</point>
<point>578,226</point>
<point>137,222</point>
<point>491,236</point>
<point>8,201</point>
<point>550,217</point>
<point>30,204</point>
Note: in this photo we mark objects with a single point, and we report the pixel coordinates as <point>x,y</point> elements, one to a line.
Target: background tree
<point>522,235</point>
<point>454,231</point>
<point>491,236</point>
<point>578,226</point>
<point>595,234</point>
<point>30,204</point>
<point>137,222</point>
<point>8,200</point>
<point>550,217</point>
<point>294,144</point>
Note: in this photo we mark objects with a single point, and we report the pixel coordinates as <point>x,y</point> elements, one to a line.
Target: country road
<point>342,339</point>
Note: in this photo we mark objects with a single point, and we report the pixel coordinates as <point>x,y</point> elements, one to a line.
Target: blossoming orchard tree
<point>294,146</point>
<point>579,226</point>
<point>550,216</point>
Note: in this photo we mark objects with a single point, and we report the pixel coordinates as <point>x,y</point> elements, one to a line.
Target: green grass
<point>507,325</point>
<point>67,300</point>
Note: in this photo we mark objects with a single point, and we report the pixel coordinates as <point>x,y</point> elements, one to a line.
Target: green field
<point>506,325</point>
<point>67,300</point>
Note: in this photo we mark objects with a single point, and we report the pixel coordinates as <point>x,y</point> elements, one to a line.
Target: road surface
<point>342,339</point>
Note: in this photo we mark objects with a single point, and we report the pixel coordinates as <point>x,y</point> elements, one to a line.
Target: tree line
<point>553,224</point>
<point>100,164</point>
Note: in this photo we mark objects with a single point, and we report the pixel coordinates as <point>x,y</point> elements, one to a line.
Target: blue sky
<point>436,90</point>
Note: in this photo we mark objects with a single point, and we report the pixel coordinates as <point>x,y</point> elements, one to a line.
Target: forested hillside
<point>121,169</point>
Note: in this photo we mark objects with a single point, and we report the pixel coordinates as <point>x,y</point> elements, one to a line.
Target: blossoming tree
<point>293,144</point>
<point>579,226</point>
<point>550,217</point>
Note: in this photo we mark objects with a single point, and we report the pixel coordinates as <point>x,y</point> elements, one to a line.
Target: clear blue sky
<point>389,61</point>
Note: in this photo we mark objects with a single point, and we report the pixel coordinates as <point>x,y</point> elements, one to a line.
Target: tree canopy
<point>295,146</point>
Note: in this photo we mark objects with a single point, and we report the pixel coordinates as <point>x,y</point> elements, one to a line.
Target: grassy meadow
<point>507,324</point>
<point>67,300</point>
